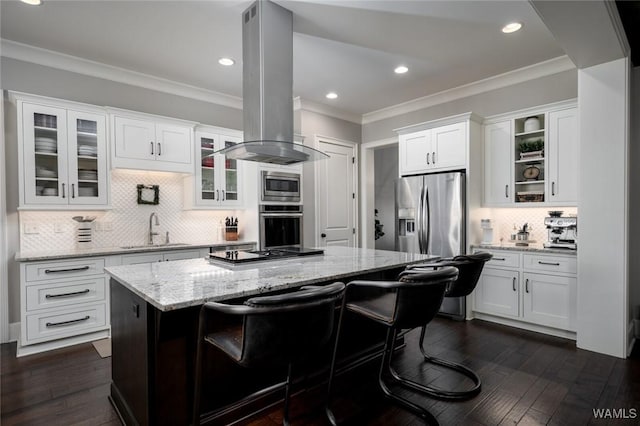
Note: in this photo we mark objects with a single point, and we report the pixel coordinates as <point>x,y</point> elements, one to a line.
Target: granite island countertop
<point>110,251</point>
<point>183,283</point>
<point>537,248</point>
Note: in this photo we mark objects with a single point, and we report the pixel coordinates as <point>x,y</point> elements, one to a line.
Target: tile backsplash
<point>128,221</point>
<point>504,219</point>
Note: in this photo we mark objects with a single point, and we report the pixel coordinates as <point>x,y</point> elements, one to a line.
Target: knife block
<point>231,233</point>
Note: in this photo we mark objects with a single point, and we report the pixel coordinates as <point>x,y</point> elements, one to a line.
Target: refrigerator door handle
<point>420,220</point>
<point>427,222</point>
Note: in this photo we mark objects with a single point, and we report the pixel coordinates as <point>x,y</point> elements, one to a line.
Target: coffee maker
<point>562,231</point>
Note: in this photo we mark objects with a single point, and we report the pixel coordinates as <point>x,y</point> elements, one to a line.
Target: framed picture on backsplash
<point>148,194</point>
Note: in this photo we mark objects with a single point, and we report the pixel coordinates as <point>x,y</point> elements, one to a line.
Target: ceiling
<point>350,47</point>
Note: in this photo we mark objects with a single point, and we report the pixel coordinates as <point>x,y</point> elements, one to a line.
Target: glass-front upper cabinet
<point>64,157</point>
<point>217,180</point>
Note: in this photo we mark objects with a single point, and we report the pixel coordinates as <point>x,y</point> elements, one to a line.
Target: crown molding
<point>307,105</point>
<point>618,28</point>
<point>53,59</point>
<point>520,75</point>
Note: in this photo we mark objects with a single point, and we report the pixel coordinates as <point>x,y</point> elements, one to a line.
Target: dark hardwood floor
<point>528,379</point>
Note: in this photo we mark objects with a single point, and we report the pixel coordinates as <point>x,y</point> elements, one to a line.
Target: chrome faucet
<point>151,233</point>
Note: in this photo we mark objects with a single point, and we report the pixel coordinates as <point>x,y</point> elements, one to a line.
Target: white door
<point>498,188</point>
<point>563,156</point>
<point>135,139</point>
<point>449,147</point>
<point>336,187</point>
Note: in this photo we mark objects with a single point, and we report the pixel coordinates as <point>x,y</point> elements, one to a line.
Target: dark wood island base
<point>153,357</point>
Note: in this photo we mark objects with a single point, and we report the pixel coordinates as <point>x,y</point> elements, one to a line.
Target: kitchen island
<point>154,314</point>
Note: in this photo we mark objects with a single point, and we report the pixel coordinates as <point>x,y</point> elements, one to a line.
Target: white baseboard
<point>14,332</point>
<point>527,326</point>
<point>631,339</point>
<point>61,343</point>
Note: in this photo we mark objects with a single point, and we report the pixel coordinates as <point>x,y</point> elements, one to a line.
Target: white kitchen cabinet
<point>562,168</point>
<point>151,143</point>
<point>550,300</point>
<point>413,150</point>
<point>434,149</point>
<point>498,173</point>
<point>531,288</point>
<point>498,292</point>
<point>218,181</point>
<point>62,302</point>
<point>531,165</point>
<point>62,154</point>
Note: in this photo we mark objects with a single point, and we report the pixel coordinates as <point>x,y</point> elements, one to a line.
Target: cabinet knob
<point>323,235</point>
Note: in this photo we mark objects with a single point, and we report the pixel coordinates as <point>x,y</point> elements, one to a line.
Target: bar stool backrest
<point>419,300</point>
<point>287,327</point>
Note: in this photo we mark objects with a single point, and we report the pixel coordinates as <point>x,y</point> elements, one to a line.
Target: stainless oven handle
<point>281,214</point>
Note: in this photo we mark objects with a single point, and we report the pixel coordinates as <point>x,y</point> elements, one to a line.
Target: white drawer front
<point>503,259</point>
<point>181,254</point>
<point>70,322</point>
<point>54,270</point>
<point>51,295</point>
<point>567,265</point>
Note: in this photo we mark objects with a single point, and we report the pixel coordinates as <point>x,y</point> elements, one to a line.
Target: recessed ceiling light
<point>32,2</point>
<point>511,27</point>
<point>227,62</point>
<point>401,69</point>
<point>332,95</point>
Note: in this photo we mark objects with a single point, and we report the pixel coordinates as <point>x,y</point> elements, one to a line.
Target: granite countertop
<point>110,251</point>
<point>184,283</point>
<point>538,248</point>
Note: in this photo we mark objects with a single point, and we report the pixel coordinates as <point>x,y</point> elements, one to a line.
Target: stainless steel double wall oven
<point>280,224</point>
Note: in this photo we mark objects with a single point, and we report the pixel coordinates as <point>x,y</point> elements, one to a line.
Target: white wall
<point>602,203</point>
<point>386,173</point>
<point>634,195</point>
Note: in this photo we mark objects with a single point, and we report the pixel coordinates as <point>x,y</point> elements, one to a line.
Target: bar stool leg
<point>332,367</point>
<point>287,394</point>
<point>444,394</point>
<point>198,372</point>
<point>385,366</point>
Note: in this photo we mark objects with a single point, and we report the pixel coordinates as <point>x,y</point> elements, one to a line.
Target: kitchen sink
<point>154,245</point>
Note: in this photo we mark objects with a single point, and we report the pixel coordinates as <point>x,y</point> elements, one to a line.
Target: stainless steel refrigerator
<point>430,219</point>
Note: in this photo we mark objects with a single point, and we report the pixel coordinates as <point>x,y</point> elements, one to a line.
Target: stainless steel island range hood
<point>267,85</point>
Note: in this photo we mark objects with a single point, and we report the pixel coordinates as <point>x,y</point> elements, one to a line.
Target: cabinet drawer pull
<point>506,191</point>
<point>159,149</point>
<point>553,188</point>
<point>526,285</point>
<point>428,158</point>
<point>499,258</point>
<point>223,195</point>
<point>151,147</point>
<point>548,263</point>
<point>433,157</point>
<point>75,293</point>
<point>73,190</point>
<point>217,195</point>
<point>514,284</point>
<point>55,271</point>
<point>64,195</point>
<point>63,323</point>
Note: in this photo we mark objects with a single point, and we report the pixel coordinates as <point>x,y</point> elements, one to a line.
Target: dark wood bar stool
<point>410,302</point>
<point>469,270</point>
<point>275,331</point>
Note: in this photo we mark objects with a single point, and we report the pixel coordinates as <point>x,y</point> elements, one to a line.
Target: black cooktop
<point>245,256</point>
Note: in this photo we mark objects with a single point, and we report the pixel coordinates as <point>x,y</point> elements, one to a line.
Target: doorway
<point>386,174</point>
<point>336,190</point>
